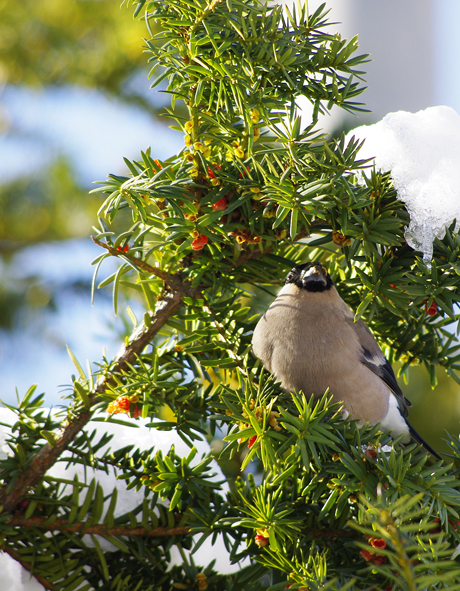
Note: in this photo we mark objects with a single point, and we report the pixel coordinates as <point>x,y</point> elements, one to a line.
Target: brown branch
<point>48,455</point>
<point>98,529</point>
<point>104,530</point>
<point>29,567</point>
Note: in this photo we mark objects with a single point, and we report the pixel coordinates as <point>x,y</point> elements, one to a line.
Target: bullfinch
<point>309,341</point>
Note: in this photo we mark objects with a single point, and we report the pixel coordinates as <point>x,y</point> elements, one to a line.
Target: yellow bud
<point>195,233</point>
<point>263,532</point>
<point>188,140</point>
<point>198,146</point>
<point>255,115</point>
<point>256,133</point>
<point>189,126</point>
<point>215,182</point>
<point>239,153</point>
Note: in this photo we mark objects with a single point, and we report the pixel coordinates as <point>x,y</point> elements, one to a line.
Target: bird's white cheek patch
<point>394,421</point>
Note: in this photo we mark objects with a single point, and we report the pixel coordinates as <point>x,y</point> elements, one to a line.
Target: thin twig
<point>170,280</point>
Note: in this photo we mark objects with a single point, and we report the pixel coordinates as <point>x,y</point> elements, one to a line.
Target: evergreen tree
<point>252,194</point>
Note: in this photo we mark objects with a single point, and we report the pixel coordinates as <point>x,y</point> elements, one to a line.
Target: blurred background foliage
<point>50,44</point>
<point>95,44</point>
<point>91,43</point>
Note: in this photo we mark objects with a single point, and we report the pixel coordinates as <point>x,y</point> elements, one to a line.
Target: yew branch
<point>47,455</point>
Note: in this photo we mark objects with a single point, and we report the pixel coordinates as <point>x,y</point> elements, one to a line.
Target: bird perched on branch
<point>309,341</point>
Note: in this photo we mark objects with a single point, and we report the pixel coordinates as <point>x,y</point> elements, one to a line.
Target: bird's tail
<point>416,437</point>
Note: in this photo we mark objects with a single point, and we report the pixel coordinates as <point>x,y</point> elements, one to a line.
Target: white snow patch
<point>422,151</point>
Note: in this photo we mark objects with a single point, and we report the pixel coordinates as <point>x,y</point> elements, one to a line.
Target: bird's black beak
<point>314,279</point>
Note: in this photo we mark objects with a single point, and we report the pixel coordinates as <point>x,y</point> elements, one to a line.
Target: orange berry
<point>200,242</point>
<point>123,403</point>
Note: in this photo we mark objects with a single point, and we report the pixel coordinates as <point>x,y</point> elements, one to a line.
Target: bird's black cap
<point>310,276</point>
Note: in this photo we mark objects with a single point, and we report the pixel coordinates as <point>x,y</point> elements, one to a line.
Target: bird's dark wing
<point>375,360</point>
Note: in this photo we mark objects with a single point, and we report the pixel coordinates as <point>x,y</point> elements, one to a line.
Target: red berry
<point>379,559</point>
<point>366,554</point>
<point>221,205</point>
<point>251,441</point>
<point>261,541</point>
<point>241,173</point>
<point>124,249</point>
<point>123,403</point>
<point>431,310</point>
<point>200,242</point>
<point>378,543</point>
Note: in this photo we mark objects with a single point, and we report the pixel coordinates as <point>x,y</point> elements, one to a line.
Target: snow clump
<point>422,152</point>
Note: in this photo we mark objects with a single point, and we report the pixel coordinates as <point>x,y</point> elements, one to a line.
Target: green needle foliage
<point>312,501</point>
